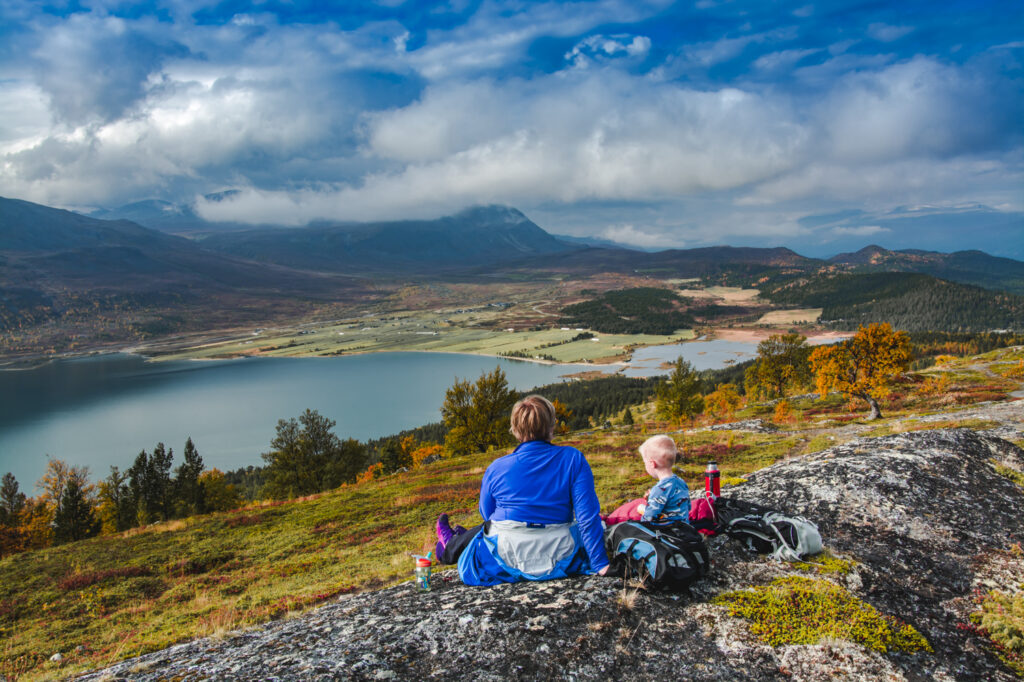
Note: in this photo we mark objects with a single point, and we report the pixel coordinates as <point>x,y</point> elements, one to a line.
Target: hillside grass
<point>123,595</point>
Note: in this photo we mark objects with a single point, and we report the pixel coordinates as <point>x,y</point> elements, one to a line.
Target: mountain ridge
<point>487,234</point>
<point>971,266</point>
<point>967,266</point>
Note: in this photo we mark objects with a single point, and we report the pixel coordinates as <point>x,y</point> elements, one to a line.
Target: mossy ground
<point>1000,620</point>
<point>825,563</point>
<point>1015,476</point>
<point>798,610</point>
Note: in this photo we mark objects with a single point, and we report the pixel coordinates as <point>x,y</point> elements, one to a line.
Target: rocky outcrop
<point>924,518</point>
<point>752,425</point>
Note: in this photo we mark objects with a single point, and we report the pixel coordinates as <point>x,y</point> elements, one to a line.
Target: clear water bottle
<point>422,574</point>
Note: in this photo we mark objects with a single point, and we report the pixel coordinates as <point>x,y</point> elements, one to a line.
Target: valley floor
<point>518,325</point>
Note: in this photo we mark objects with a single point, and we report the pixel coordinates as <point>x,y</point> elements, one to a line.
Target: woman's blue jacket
<point>544,484</point>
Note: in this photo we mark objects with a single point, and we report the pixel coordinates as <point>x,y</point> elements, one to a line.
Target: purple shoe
<point>458,530</point>
<point>444,531</point>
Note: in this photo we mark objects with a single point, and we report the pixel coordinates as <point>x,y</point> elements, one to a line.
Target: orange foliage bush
<point>374,471</point>
<point>424,451</point>
<point>783,412</point>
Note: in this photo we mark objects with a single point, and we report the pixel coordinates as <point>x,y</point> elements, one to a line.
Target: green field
<point>476,332</point>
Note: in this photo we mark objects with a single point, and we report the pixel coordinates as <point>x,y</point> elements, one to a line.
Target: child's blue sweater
<point>668,500</point>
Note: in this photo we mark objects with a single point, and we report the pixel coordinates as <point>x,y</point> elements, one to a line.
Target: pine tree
<point>477,415</point>
<point>163,487</point>
<point>306,457</point>
<point>117,509</point>
<point>679,396</point>
<point>348,458</point>
<point>74,518</point>
<point>12,501</point>
<point>187,490</point>
<point>149,479</point>
<point>285,470</point>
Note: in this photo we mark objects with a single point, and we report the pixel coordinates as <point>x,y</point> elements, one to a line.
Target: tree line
<point>70,507</point>
<point>862,367</point>
<point>643,310</point>
<point>907,301</point>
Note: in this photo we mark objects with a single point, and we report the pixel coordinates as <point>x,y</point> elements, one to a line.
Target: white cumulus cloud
<point>629,235</point>
<point>859,231</point>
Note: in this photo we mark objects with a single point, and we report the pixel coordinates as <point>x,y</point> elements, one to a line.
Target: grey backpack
<point>783,537</point>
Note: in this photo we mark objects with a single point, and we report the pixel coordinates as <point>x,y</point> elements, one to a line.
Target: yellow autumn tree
<point>37,524</point>
<point>56,477</point>
<point>563,415</point>
<point>864,366</point>
<point>723,402</point>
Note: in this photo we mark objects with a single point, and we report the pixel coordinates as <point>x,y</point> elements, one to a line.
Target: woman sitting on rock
<point>539,507</point>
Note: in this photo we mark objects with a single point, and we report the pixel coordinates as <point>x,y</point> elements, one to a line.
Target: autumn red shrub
<point>243,520</point>
<point>712,451</point>
<point>79,580</point>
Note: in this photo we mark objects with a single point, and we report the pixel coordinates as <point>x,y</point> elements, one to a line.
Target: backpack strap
<point>640,561</point>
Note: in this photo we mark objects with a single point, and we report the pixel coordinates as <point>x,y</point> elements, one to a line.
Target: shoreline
<point>748,335</point>
<point>742,335</point>
<point>38,362</point>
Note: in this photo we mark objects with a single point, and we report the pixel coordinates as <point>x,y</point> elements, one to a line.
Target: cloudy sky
<point>822,126</point>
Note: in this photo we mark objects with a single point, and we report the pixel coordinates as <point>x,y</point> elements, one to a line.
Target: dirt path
<point>985,369</point>
<point>536,308</point>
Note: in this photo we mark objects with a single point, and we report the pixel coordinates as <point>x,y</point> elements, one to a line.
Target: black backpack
<point>766,531</point>
<point>669,556</point>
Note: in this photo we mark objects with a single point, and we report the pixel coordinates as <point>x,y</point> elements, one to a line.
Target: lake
<point>712,354</point>
<point>102,410</point>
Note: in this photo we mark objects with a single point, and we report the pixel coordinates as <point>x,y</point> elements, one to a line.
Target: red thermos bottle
<point>713,479</point>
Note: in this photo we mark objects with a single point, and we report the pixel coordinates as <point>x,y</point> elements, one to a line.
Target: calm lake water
<point>101,411</point>
<point>702,355</point>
